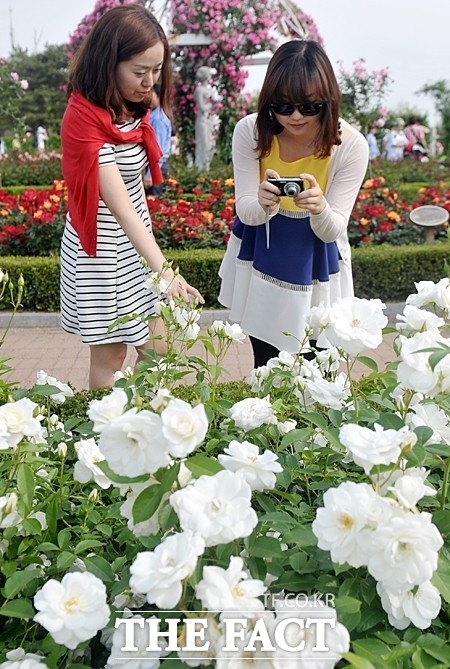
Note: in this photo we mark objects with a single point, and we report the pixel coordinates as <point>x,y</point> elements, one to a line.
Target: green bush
<point>29,170</point>
<point>390,272</point>
<point>382,271</point>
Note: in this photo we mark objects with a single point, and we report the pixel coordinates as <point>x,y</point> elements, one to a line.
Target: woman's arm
<point>330,213</point>
<point>247,176</point>
<point>114,194</point>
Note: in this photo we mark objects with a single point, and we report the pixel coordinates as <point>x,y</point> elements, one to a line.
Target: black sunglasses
<point>305,108</point>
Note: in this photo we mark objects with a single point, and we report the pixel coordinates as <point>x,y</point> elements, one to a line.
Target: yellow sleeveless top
<point>310,164</point>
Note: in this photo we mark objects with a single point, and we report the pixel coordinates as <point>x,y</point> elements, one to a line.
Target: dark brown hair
<point>119,35</point>
<point>297,70</point>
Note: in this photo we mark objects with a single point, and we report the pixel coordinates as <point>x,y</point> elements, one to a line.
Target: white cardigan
<point>346,172</point>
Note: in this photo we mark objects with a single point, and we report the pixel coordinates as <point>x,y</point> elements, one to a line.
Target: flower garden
<point>298,518</point>
<point>197,211</point>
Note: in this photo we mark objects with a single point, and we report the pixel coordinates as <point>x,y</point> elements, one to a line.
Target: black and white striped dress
<point>96,291</point>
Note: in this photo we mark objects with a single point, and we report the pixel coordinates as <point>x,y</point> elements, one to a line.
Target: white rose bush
<point>309,503</point>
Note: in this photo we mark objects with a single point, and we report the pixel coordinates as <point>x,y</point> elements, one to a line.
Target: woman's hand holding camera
<point>312,199</point>
<point>268,194</point>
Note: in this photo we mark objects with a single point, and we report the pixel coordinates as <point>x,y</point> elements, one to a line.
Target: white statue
<point>206,120</point>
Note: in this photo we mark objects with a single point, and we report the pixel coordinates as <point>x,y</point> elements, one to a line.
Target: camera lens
<point>292,189</point>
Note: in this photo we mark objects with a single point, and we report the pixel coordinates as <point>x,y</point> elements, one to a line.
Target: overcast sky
<point>410,37</point>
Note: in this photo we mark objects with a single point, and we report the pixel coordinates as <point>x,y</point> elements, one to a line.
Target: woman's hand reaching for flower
<point>179,288</point>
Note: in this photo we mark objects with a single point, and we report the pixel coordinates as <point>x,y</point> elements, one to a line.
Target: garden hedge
<point>386,272</point>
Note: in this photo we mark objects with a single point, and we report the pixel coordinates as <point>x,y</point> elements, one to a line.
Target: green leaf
<point>368,362</point>
<point>18,581</point>
<point>371,649</point>
<point>316,419</point>
<point>421,660</point>
<point>167,477</point>
<point>390,421</point>
<point>25,486</point>
<point>64,538</point>
<point>266,547</point>
<point>147,502</point>
<point>51,515</point>
<point>18,608</point>
<point>298,561</point>
<point>357,662</point>
<point>86,544</point>
<point>441,579</point>
<point>100,568</point>
<point>301,536</point>
<point>65,560</point>
<point>202,464</point>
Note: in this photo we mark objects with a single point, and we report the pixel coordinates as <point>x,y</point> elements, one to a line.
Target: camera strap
<point>267,224</point>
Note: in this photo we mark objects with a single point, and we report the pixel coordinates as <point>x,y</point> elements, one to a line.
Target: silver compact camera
<point>290,186</point>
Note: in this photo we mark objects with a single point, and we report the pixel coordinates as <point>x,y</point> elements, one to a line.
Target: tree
<point>46,72</point>
<point>363,93</point>
<point>227,32</point>
<point>12,91</point>
<point>440,92</point>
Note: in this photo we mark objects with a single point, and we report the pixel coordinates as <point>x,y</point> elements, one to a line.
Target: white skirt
<point>269,309</point>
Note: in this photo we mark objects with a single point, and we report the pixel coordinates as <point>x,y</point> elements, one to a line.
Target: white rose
<point>403,552</point>
<point>418,606</point>
<point>253,412</point>
<point>74,609</point>
<point>19,659</point>
<point>159,574</point>
<point>373,447</point>
<point>230,589</point>
<point>356,324</point>
<point>103,411</point>
<point>216,507</point>
<point>414,319</point>
<point>339,524</point>
<point>17,421</point>
<point>66,391</point>
<point>258,469</point>
<point>134,444</point>
<point>331,394</point>
<point>86,468</point>
<point>337,638</point>
<point>414,370</point>
<point>183,426</point>
<point>428,414</point>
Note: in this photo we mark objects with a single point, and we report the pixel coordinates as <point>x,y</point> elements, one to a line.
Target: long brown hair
<point>119,35</point>
<point>296,69</point>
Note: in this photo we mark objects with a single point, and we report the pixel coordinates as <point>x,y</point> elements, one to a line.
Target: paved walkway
<point>36,342</point>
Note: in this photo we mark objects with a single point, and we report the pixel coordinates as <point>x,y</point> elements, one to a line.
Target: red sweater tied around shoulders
<point>85,128</point>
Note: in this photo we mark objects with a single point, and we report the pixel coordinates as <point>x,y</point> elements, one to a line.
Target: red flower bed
<point>31,223</point>
<point>379,216</point>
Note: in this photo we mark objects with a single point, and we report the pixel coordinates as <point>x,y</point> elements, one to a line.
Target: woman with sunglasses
<point>287,253</point>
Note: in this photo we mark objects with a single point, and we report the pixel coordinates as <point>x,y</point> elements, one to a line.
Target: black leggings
<point>262,351</point>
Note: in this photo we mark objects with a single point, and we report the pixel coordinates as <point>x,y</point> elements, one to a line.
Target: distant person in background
<point>2,146</point>
<point>41,138</point>
<point>374,151</point>
<point>395,141</point>
<point>162,126</point>
<point>416,141</point>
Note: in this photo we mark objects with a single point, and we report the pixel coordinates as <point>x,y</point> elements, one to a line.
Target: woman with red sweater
<point>107,143</point>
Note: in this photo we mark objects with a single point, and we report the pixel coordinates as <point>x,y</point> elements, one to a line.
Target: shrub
<point>303,491</point>
<point>380,271</point>
<point>29,169</point>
